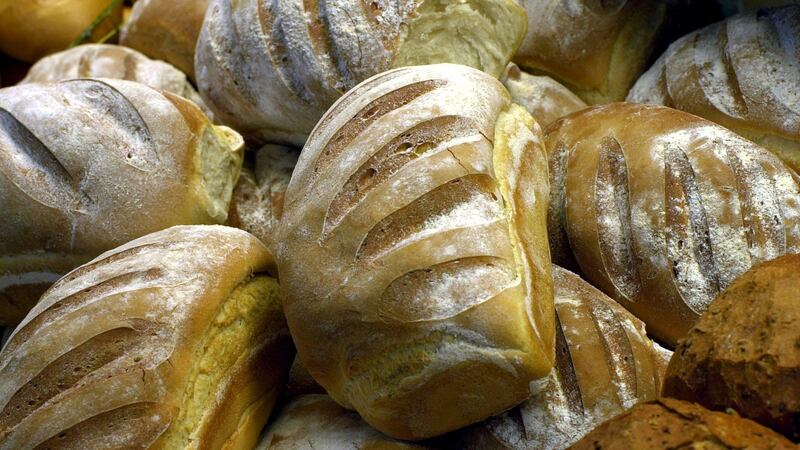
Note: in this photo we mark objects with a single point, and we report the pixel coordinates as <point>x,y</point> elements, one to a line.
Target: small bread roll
<point>744,353</point>
<point>741,73</point>
<point>669,423</point>
<point>272,69</point>
<point>605,363</point>
<point>318,422</point>
<point>86,165</point>
<point>166,30</point>
<point>413,253</point>
<point>544,98</point>
<point>663,209</point>
<point>173,340</point>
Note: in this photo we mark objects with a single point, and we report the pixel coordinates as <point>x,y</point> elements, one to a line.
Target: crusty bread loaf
<point>166,30</point>
<point>271,69</point>
<point>544,98</point>
<point>741,73</point>
<point>86,165</point>
<point>113,61</point>
<point>605,363</point>
<point>670,423</point>
<point>318,422</point>
<point>257,202</point>
<point>744,353</point>
<point>413,253</point>
<point>173,340</point>
<point>663,209</point>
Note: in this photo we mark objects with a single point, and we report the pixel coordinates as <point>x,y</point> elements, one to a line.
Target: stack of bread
<point>369,224</point>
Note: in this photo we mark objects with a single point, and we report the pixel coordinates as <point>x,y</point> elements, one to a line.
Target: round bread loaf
<point>86,165</point>
<point>412,251</point>
<point>605,363</point>
<point>272,69</point>
<point>663,209</point>
<point>744,353</point>
<point>544,98</point>
<point>670,423</point>
<point>173,340</point>
<point>741,73</point>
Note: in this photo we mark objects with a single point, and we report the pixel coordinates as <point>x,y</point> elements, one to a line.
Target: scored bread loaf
<point>318,422</point>
<point>662,209</point>
<point>412,251</point>
<point>173,340</point>
<point>605,363</point>
<point>741,73</point>
<point>544,98</point>
<point>272,69</point>
<point>166,30</point>
<point>113,61</point>
<point>86,165</point>
<point>668,423</point>
<point>744,353</point>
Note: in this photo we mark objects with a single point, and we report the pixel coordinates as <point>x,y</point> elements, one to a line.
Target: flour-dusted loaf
<point>271,69</point>
<point>413,252</point>
<point>662,209</point>
<point>744,353</point>
<point>742,73</point>
<point>605,364</point>
<point>173,340</point>
<point>674,424</point>
<point>166,30</point>
<point>318,422</point>
<point>544,98</point>
<point>86,165</point>
<point>113,61</point>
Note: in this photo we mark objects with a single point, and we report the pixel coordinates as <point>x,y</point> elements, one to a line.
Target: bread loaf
<point>86,165</point>
<point>257,202</point>
<point>301,382</point>
<point>317,422</point>
<point>271,69</point>
<point>744,353</point>
<point>741,73</point>
<point>663,209</point>
<point>32,29</point>
<point>166,30</point>
<point>605,363</point>
<point>412,251</point>
<point>173,340</point>
<point>113,61</point>
<point>544,98</point>
<point>669,423</point>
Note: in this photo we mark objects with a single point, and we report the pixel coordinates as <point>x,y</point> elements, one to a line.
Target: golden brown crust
<point>669,423</point>
<point>662,209</point>
<point>744,353</point>
<point>544,98</point>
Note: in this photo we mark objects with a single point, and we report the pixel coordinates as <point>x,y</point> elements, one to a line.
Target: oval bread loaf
<point>413,253</point>
<point>86,165</point>
<point>663,209</point>
<point>173,340</point>
<point>544,98</point>
<point>605,363</point>
<point>741,73</point>
<point>271,69</point>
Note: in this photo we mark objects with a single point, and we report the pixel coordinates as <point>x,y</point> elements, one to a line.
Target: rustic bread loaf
<point>741,73</point>
<point>166,30</point>
<point>605,363</point>
<point>413,255</point>
<point>272,69</point>
<point>670,423</point>
<point>86,165</point>
<point>318,422</point>
<point>32,29</point>
<point>744,352</point>
<point>113,61</point>
<point>544,98</point>
<point>663,209</point>
<point>173,340</point>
